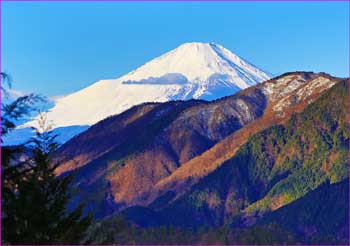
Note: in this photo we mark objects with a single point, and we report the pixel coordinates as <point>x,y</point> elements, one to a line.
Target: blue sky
<point>55,48</point>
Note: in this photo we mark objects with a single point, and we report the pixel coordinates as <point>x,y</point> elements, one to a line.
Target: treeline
<point>116,231</point>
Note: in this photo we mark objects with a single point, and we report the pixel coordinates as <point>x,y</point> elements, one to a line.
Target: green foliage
<point>260,154</point>
<point>107,231</point>
<point>340,168</point>
<point>114,231</point>
<point>320,214</point>
<point>315,150</point>
<point>276,167</point>
<point>34,199</point>
<point>34,211</point>
<point>271,234</point>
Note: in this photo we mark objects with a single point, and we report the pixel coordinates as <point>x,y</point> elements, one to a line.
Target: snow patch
<point>297,91</point>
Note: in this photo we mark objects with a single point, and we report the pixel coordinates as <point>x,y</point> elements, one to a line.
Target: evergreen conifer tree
<point>34,198</point>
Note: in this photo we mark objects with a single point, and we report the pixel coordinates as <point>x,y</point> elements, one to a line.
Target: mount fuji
<point>191,71</point>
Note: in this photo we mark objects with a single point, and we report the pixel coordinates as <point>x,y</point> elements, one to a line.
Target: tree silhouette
<point>34,199</point>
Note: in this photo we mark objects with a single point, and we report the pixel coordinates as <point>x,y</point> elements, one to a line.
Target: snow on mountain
<point>288,90</point>
<point>197,62</point>
<point>192,70</point>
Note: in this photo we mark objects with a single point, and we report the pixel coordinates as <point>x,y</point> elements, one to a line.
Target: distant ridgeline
<point>267,165</point>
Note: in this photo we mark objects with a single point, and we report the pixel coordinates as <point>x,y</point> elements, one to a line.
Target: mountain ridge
<point>196,130</point>
<point>275,167</point>
<point>226,148</point>
<point>289,182</point>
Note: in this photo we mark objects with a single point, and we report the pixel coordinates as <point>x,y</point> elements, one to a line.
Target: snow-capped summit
<point>192,70</point>
<point>197,62</point>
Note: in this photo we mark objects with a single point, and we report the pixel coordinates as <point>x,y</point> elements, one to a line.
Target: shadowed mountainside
<point>274,168</point>
<point>162,149</point>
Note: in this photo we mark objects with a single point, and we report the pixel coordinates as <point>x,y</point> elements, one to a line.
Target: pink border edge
<point>151,1</point>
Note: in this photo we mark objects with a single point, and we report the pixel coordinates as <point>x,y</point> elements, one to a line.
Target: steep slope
<point>274,168</point>
<point>286,94</point>
<point>115,132</point>
<point>161,151</point>
<point>130,159</point>
<point>321,216</point>
<point>192,70</point>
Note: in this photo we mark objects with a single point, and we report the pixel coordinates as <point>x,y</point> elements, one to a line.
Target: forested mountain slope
<point>276,167</point>
<point>158,151</point>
